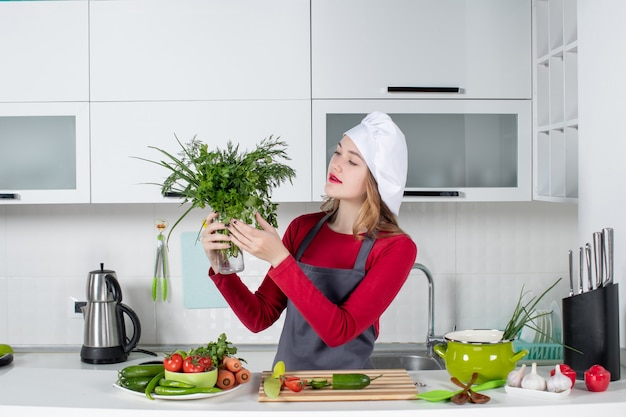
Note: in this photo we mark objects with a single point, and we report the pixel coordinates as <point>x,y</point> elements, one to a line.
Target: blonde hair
<point>374,215</point>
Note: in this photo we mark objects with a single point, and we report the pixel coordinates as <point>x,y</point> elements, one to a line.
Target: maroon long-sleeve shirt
<point>388,266</point>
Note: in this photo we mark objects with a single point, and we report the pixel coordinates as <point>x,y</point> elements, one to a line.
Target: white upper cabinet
<point>458,150</point>
<point>44,153</point>
<point>123,132</point>
<point>44,51</point>
<point>360,48</point>
<point>200,50</point>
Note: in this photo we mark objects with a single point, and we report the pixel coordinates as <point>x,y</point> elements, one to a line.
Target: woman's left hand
<point>263,243</point>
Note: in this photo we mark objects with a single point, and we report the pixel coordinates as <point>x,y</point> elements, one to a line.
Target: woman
<point>336,271</point>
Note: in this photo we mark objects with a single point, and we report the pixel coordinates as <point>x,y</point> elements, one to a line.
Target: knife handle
<point>581,270</point>
<point>571,272</point>
<point>598,255</point>
<point>589,267</point>
<point>607,246</point>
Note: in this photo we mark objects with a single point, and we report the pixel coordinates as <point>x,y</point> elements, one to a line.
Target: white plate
<point>543,323</point>
<point>539,324</point>
<point>533,393</point>
<point>547,338</point>
<point>557,322</point>
<point>178,397</point>
<point>546,327</point>
<point>528,334</point>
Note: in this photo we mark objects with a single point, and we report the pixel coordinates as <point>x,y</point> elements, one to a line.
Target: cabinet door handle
<point>9,196</point>
<point>409,193</point>
<point>393,89</point>
<point>172,194</point>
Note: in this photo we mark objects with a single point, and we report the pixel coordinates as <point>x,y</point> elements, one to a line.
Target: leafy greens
<point>235,184</point>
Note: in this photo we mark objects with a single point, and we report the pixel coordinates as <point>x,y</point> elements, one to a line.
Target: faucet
<point>431,339</point>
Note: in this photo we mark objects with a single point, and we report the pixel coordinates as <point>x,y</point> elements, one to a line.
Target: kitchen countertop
<point>59,384</point>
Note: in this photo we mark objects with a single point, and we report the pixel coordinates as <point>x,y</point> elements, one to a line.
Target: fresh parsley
<point>217,350</point>
<point>234,183</point>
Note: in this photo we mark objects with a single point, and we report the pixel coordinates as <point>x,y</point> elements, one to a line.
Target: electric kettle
<point>105,338</point>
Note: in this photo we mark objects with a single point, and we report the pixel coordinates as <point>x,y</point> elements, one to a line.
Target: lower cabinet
<point>121,133</point>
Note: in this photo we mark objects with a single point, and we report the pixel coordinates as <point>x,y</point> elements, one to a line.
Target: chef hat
<point>383,146</point>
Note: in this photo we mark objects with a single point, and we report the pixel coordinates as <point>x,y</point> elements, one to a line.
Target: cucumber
<point>135,371</point>
<point>351,381</point>
<point>318,383</point>
<point>135,384</point>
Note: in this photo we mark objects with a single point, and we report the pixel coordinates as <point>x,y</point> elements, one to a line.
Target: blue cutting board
<point>198,289</point>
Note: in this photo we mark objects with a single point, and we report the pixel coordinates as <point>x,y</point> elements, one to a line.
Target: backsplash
<point>480,254</point>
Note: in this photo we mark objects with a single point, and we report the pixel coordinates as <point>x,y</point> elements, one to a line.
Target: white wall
<point>602,141</point>
<point>479,253</point>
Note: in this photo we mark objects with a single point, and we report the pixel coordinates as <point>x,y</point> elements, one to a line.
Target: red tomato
<point>206,362</point>
<point>567,371</point>
<point>294,383</point>
<point>192,364</point>
<point>597,378</point>
<point>173,362</point>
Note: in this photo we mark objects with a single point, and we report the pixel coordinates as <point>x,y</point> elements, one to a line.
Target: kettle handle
<point>132,343</point>
<point>114,287</point>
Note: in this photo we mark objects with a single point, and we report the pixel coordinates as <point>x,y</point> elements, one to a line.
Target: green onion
<point>522,314</point>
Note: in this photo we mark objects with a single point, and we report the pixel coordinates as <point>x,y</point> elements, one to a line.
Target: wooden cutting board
<point>394,384</point>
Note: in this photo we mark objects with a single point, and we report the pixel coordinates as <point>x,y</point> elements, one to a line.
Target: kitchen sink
<point>406,361</point>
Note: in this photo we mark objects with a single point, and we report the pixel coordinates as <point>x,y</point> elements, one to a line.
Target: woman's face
<point>347,173</point>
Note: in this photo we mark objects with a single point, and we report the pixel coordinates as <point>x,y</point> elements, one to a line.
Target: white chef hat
<point>383,146</point>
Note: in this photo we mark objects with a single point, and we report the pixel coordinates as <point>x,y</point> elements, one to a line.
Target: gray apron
<point>299,346</point>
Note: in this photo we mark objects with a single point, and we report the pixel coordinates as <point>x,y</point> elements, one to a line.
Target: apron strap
<point>309,237</point>
<point>364,252</point>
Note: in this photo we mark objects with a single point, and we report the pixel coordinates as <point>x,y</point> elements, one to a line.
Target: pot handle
<point>132,343</point>
<point>441,349</point>
<point>519,355</point>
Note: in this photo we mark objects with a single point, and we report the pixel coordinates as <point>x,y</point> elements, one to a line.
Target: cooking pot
<point>480,351</point>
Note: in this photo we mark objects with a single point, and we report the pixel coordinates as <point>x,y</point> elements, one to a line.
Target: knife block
<point>591,326</point>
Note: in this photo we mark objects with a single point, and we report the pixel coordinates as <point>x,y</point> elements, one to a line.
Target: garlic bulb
<point>559,382</point>
<point>514,378</point>
<point>533,380</point>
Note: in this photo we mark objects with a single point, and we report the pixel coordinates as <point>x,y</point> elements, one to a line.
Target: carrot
<point>231,363</point>
<point>225,379</point>
<point>242,376</point>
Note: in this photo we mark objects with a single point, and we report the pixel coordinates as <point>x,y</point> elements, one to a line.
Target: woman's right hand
<point>213,241</point>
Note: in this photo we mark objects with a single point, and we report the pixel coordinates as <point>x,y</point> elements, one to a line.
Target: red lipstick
<point>333,179</point>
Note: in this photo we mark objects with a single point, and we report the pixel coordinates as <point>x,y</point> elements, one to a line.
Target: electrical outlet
<point>78,305</point>
<point>74,310</point>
